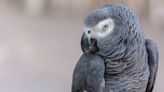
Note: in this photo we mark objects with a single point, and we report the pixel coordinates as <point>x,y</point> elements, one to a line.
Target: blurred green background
<point>40,40</point>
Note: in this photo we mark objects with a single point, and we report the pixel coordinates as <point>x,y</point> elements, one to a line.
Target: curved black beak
<point>88,45</point>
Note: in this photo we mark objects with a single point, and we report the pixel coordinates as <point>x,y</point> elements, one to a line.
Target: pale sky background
<point>40,41</point>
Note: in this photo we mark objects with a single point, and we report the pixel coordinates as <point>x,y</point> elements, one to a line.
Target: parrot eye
<point>89,31</point>
<point>105,27</point>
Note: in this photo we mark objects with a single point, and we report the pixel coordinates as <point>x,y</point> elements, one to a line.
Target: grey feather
<point>89,74</point>
<point>152,51</point>
<point>124,50</point>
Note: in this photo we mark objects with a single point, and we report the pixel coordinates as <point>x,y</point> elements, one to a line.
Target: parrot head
<point>109,29</point>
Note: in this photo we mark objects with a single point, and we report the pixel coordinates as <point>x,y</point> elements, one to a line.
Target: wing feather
<point>152,51</point>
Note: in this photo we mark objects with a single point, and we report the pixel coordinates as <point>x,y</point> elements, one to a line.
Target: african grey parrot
<point>114,33</point>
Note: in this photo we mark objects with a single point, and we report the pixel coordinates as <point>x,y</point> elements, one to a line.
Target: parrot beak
<point>89,40</point>
<point>92,43</point>
<point>88,44</point>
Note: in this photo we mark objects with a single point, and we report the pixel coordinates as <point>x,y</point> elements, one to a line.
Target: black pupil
<point>89,31</point>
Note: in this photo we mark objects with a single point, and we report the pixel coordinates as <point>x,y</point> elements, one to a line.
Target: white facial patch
<point>104,28</point>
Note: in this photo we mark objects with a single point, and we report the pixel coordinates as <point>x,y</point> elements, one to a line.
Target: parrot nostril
<point>89,32</point>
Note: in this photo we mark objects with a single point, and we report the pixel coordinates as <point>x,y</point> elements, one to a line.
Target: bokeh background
<point>40,40</point>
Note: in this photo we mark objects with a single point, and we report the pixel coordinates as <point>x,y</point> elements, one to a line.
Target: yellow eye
<point>105,27</point>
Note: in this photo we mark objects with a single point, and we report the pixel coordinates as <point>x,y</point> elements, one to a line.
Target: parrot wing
<point>152,52</point>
